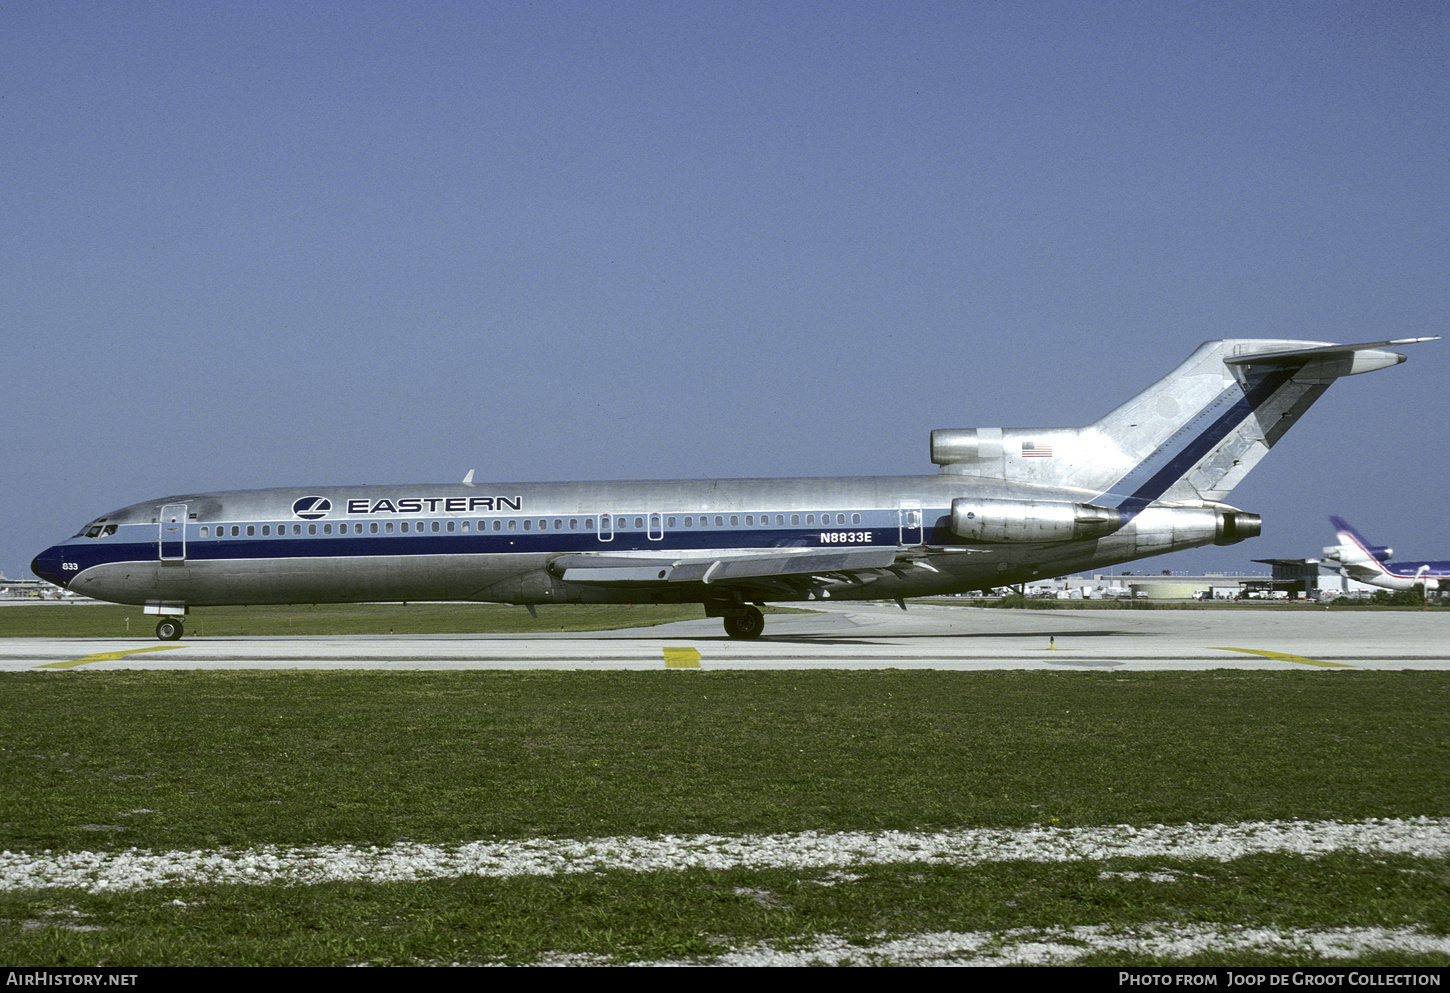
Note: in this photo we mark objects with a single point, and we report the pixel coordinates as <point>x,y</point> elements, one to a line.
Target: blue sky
<point>255,244</point>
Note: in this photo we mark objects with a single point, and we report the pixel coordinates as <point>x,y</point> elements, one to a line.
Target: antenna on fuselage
<point>468,479</point>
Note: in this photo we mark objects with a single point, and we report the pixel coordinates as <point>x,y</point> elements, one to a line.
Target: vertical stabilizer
<point>1195,434</point>
<point>1189,437</point>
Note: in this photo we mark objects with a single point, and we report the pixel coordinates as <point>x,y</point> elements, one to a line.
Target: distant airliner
<point>1007,505</point>
<point>1360,560</point>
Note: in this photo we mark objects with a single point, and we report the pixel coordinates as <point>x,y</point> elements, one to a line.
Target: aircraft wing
<point>796,568</point>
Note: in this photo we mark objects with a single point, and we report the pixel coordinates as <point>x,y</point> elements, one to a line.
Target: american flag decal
<point>1034,450</point>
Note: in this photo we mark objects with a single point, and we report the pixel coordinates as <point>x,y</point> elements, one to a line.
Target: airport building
<point>1289,579</point>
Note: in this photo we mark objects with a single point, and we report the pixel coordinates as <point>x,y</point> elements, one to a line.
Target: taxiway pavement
<point>840,636</point>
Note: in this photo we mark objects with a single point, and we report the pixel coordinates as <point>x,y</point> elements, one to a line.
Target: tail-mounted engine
<point>989,520</point>
<point>992,521</point>
<point>1235,525</point>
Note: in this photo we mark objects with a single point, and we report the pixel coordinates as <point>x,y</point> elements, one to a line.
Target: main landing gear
<point>169,628</point>
<point>747,623</point>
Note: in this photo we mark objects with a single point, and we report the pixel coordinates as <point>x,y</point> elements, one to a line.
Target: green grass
<point>158,760</point>
<point>243,757</point>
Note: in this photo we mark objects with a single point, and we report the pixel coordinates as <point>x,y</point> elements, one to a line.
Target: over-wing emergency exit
<point>1006,505</point>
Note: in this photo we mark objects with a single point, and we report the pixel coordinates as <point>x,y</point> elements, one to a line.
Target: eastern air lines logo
<point>311,508</point>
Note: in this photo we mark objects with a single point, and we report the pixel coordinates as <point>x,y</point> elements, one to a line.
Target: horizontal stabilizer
<point>1366,357</point>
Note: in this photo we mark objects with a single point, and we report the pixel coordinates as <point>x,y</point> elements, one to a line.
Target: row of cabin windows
<point>619,523</point>
<point>750,520</point>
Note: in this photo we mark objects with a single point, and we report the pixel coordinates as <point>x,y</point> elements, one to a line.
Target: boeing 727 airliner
<point>1006,505</point>
<point>1358,559</point>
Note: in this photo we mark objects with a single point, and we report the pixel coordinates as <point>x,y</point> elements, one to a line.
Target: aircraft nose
<point>47,565</point>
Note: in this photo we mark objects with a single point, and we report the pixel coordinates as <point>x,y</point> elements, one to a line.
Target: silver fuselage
<point>497,542</point>
<point>1007,505</point>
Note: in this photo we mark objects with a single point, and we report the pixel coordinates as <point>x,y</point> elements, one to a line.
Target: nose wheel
<point>169,629</point>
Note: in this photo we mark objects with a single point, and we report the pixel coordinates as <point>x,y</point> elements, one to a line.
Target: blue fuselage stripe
<point>86,554</point>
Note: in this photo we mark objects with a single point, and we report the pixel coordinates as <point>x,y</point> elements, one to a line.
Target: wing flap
<point>724,567</point>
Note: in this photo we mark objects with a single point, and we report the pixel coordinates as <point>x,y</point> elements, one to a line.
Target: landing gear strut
<point>169,628</point>
<point>747,623</point>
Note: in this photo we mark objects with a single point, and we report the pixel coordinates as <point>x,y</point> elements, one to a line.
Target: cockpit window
<point>99,530</point>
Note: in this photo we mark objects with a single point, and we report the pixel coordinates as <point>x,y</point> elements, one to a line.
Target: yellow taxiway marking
<point>1281,656</point>
<point>107,656</point>
<point>682,658</point>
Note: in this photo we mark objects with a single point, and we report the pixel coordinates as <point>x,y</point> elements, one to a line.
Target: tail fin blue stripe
<point>1380,553</point>
<point>1152,477</point>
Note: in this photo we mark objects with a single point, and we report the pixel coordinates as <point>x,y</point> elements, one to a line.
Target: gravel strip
<point>1063,946</point>
<point>134,869</point>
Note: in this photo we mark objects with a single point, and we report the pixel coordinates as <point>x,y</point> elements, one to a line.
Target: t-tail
<point>1187,440</point>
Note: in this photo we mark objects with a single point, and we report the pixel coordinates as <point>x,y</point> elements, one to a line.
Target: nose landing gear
<point>169,629</point>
